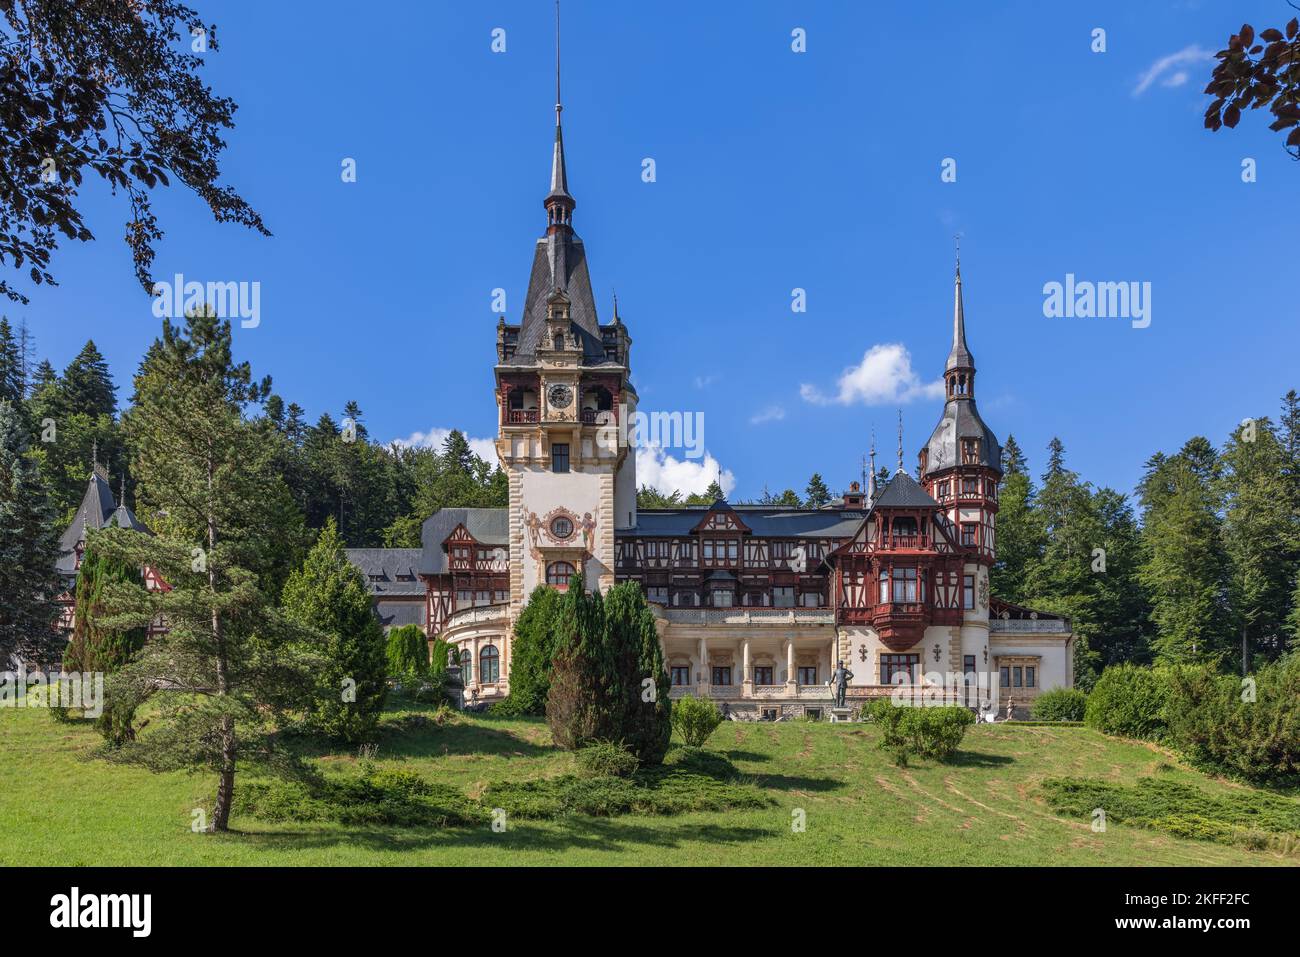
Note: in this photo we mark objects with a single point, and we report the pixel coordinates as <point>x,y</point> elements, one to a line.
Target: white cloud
<point>704,381</point>
<point>773,413</point>
<point>884,376</point>
<point>659,470</point>
<point>485,449</point>
<point>1157,70</point>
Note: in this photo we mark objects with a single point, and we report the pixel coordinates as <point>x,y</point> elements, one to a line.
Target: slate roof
<point>960,420</point>
<point>763,520</point>
<point>902,491</point>
<point>395,614</point>
<point>388,565</point>
<point>490,526</point>
<point>97,510</point>
<point>560,259</point>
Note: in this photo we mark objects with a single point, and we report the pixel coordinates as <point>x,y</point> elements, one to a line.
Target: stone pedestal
<point>841,714</point>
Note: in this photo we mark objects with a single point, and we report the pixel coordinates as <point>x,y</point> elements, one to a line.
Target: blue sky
<point>775,170</point>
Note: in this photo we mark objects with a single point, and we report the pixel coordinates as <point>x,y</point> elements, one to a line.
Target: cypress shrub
<point>1059,704</point>
<point>1128,701</point>
<point>408,653</point>
<point>532,654</point>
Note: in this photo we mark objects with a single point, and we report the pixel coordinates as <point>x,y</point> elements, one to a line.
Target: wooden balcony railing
<point>521,416</point>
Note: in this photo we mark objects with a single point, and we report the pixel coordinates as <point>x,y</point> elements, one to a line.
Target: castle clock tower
<point>563,390</point>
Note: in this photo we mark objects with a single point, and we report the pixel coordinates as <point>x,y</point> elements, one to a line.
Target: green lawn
<point>59,805</point>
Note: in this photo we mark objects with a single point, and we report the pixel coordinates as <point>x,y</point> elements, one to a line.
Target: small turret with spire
<point>559,202</point>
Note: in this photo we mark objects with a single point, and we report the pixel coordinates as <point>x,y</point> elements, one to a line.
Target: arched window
<point>559,573</point>
<point>489,664</point>
<point>466,666</point>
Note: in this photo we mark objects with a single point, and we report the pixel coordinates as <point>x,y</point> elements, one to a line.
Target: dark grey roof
<point>961,420</point>
<point>559,171</point>
<point>96,508</point>
<point>560,260</point>
<point>395,614</point>
<point>903,492</point>
<point>389,566</point>
<point>491,526</point>
<point>123,517</point>
<point>763,520</point>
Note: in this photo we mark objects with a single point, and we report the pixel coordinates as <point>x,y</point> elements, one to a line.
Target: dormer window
<point>559,343</point>
<point>970,451</point>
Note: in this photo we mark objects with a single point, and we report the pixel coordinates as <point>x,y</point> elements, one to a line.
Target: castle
<point>756,605</point>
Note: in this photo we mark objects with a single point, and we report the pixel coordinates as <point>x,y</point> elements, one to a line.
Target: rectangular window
<point>968,534</point>
<point>659,595</point>
<point>722,598</point>
<point>1016,676</point>
<point>763,675</point>
<point>721,675</point>
<point>769,714</point>
<point>783,596</point>
<point>1004,677</point>
<point>970,486</point>
<point>681,675</point>
<point>905,584</point>
<point>813,714</point>
<point>811,599</point>
<point>808,675</point>
<point>968,591</point>
<point>560,457</point>
<point>1029,677</point>
<point>708,551</point>
<point>733,550</point>
<point>884,587</point>
<point>899,669</point>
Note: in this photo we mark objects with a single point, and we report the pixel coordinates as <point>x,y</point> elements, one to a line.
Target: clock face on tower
<point>559,396</point>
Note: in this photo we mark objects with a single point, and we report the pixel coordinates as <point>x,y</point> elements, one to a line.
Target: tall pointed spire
<point>871,476</point>
<point>959,357</point>
<point>559,203</point>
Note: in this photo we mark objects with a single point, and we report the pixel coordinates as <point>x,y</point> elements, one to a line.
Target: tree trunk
<point>226,784</point>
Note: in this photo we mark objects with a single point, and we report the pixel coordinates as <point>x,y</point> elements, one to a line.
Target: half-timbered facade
<point>756,604</point>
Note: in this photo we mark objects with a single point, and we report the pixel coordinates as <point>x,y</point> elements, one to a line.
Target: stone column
<point>791,682</point>
<point>747,679</point>
<point>705,677</point>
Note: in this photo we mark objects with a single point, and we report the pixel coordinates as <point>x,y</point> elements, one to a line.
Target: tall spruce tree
<point>328,596</point>
<point>86,386</point>
<point>1021,536</point>
<point>13,376</point>
<point>1259,532</point>
<point>28,551</point>
<point>229,667</point>
<point>1185,568</point>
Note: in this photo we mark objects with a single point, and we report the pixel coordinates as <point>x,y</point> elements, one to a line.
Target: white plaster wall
<point>579,493</point>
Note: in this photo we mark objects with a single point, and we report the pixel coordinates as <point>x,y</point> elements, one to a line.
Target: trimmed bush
<point>532,654</point>
<point>1128,701</point>
<point>925,732</point>
<point>1213,721</point>
<point>1059,704</point>
<point>694,720</point>
<point>605,759</point>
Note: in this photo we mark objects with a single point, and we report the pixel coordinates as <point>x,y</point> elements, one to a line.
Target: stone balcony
<point>1028,626</point>
<point>747,616</point>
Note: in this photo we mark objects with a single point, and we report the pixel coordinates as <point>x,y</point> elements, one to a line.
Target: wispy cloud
<point>1166,71</point>
<point>658,469</point>
<point>773,413</point>
<point>884,376</point>
<point>704,381</point>
<point>484,448</point>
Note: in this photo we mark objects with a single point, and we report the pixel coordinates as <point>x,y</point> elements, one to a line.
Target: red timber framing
<point>477,574</point>
<point>900,572</point>
<point>962,491</point>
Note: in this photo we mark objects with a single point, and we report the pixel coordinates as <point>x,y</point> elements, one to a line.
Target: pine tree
<point>817,493</point>
<point>230,664</point>
<point>1013,459</point>
<point>28,551</point>
<point>328,596</point>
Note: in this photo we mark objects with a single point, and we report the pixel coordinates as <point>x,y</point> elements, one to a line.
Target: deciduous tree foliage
<point>1251,75</point>
<point>110,88</point>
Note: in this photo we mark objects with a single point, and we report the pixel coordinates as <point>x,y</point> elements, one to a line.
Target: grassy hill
<point>60,805</point>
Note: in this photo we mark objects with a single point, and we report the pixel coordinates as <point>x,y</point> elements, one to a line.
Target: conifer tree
<point>1259,531</point>
<point>532,653</point>
<point>1185,567</point>
<point>328,596</point>
<point>817,493</point>
<point>86,386</point>
<point>1021,537</point>
<point>13,377</point>
<point>230,665</point>
<point>28,551</point>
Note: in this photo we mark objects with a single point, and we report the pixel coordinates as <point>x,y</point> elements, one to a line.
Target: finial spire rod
<point>900,440</point>
<point>559,106</point>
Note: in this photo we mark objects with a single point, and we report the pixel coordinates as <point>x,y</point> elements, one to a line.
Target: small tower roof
<point>959,357</point>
